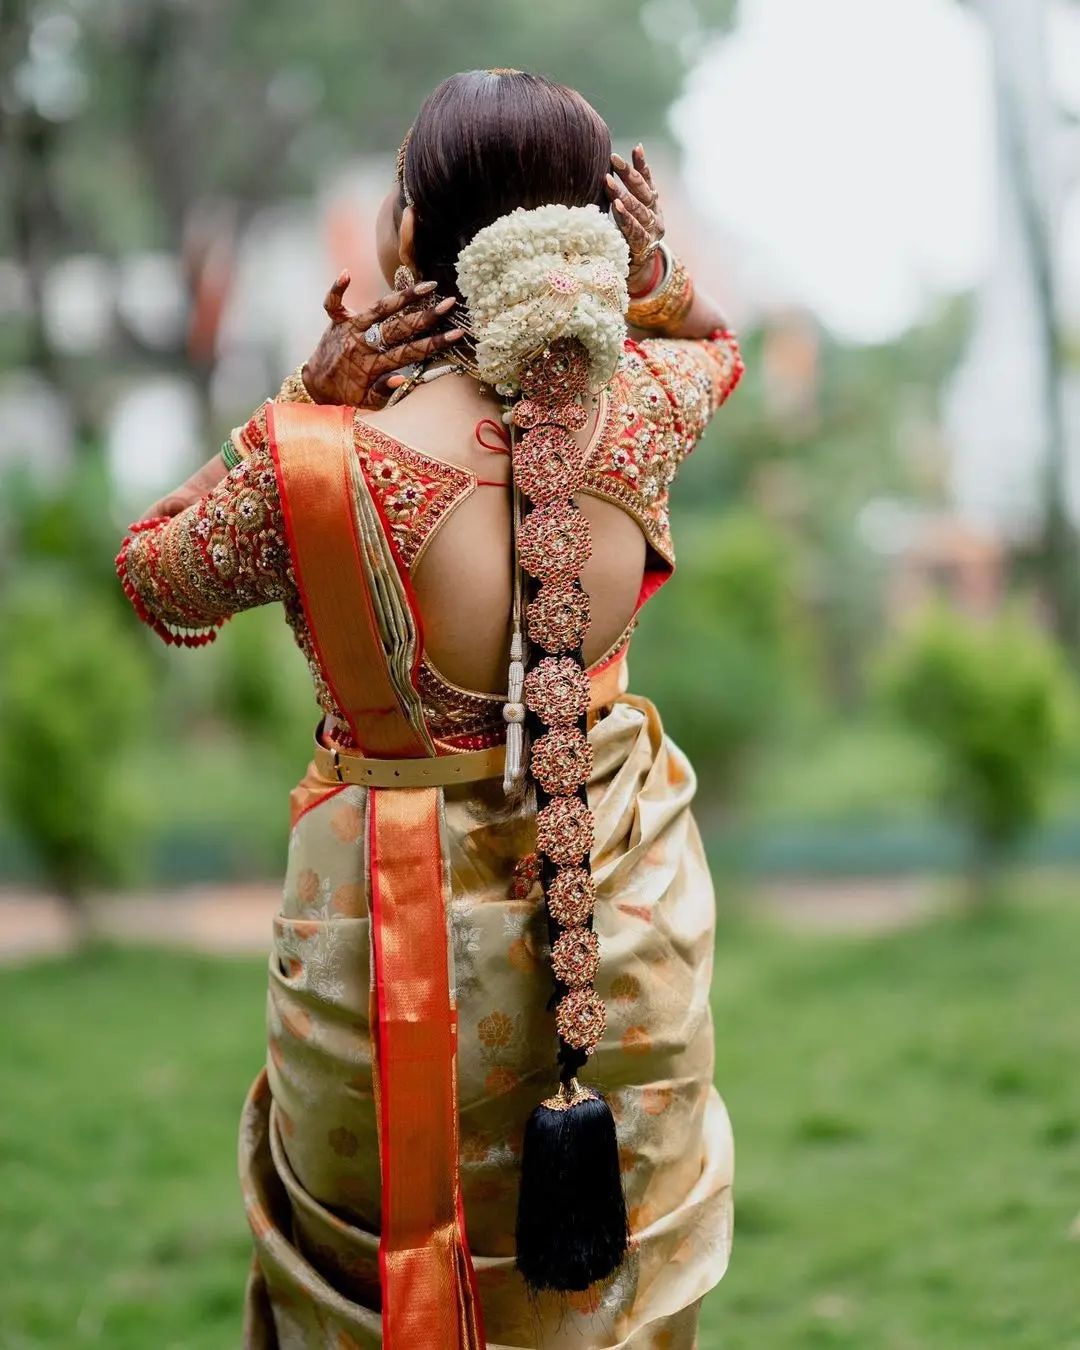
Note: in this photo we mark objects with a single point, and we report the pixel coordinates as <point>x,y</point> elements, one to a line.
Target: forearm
<point>703,319</point>
<point>664,302</point>
<point>200,482</point>
<point>225,552</point>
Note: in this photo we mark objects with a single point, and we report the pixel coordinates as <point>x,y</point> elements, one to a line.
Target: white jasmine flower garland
<point>533,276</point>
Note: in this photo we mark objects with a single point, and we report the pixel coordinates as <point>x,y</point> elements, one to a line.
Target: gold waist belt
<point>464,766</point>
<point>468,766</point>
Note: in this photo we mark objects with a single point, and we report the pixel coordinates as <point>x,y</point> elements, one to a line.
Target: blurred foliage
<point>718,652</point>
<point>263,686</point>
<point>168,105</point>
<point>74,695</point>
<point>65,528</point>
<point>870,433</point>
<point>996,700</point>
<point>854,772</point>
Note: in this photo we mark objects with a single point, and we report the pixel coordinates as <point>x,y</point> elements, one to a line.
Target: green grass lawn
<point>907,1120</point>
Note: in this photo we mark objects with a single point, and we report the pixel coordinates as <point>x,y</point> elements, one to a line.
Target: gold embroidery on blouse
<point>229,552</point>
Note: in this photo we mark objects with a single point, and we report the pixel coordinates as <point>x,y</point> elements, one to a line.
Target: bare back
<point>463,580</point>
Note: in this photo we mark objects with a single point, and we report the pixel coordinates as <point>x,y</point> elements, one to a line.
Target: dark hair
<point>485,142</point>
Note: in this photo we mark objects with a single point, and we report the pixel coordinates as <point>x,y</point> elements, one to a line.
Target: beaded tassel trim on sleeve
<point>553,546</point>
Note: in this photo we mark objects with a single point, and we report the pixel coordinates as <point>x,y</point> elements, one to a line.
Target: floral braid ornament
<point>572,1225</point>
<point>545,293</point>
<point>554,544</point>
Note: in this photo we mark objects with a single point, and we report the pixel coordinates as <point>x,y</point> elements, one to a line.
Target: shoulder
<point>411,490</point>
<point>698,375</point>
<point>660,401</point>
<point>640,445</point>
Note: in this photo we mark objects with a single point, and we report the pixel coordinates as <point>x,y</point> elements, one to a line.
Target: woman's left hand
<point>636,211</point>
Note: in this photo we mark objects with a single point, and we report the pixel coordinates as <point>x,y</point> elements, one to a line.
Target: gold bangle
<point>668,306</point>
<point>293,389</point>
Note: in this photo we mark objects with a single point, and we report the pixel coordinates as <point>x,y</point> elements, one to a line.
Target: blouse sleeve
<point>186,575</point>
<point>697,377</point>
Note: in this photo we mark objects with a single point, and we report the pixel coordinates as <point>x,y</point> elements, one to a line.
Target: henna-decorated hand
<point>636,211</point>
<point>345,368</point>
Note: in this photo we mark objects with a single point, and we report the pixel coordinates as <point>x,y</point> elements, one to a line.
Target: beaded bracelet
<point>665,309</point>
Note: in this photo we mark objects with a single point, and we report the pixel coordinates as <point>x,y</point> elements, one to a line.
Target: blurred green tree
<point>869,434</point>
<point>995,699</point>
<point>74,698</point>
<point>263,685</point>
<point>719,653</point>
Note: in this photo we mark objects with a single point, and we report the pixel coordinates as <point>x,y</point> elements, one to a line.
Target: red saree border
<point>428,1282</point>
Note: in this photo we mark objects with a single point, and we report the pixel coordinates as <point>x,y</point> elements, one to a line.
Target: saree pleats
<point>319,1205</point>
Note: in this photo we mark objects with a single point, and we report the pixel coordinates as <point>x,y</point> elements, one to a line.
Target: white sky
<point>848,147</point>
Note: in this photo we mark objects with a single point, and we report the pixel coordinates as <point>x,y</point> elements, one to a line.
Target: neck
<point>449,384</point>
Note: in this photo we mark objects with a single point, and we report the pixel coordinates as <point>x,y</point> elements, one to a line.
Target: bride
<point>487,1115</point>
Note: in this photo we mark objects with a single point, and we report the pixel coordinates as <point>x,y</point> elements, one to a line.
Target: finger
<point>629,221</point>
<point>396,357</point>
<point>620,194</point>
<point>401,327</point>
<point>170,506</point>
<point>622,216</point>
<point>378,394</point>
<point>637,236</point>
<point>383,389</point>
<point>334,304</point>
<point>640,163</point>
<point>396,301</point>
<point>634,181</point>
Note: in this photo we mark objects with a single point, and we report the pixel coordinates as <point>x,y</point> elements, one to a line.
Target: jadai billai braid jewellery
<point>546,297</point>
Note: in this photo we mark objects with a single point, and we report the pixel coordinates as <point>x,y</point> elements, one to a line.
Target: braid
<point>573,1233</point>
<point>546,296</point>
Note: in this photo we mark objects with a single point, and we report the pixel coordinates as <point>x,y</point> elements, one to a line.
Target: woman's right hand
<point>346,368</point>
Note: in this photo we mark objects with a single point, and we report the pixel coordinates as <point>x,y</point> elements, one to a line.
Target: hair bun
<point>532,277</point>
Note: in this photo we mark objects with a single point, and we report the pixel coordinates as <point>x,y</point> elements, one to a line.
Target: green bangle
<point>230,455</point>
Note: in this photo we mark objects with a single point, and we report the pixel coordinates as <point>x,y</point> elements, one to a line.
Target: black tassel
<point>572,1228</point>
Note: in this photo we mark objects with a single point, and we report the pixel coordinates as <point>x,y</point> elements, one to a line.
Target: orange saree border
<point>429,1294</point>
<point>313,450</point>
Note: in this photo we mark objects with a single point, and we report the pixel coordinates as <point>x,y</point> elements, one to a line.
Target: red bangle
<point>654,280</point>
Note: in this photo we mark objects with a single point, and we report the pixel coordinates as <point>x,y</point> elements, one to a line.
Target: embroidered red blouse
<point>228,551</point>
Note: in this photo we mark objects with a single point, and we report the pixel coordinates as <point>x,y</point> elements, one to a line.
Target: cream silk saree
<point>309,1155</point>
